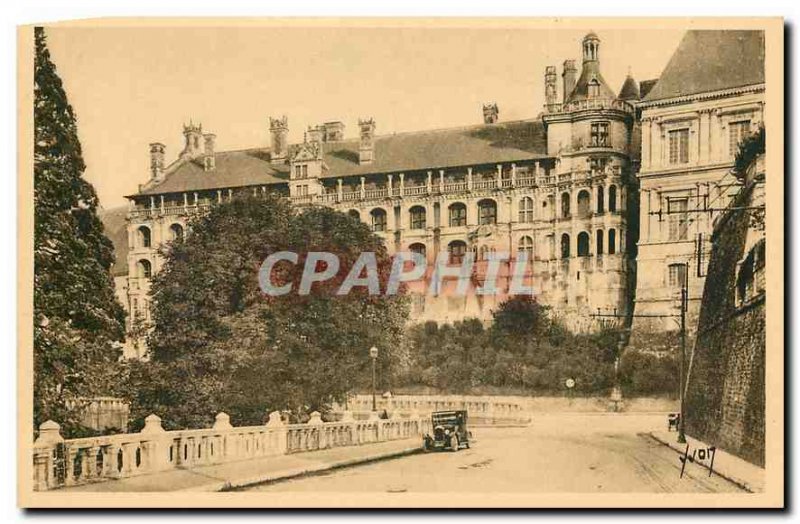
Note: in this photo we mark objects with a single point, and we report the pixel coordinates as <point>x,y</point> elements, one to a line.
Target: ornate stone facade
<point>557,187</point>
<point>692,122</point>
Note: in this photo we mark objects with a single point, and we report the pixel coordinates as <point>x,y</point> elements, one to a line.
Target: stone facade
<point>725,395</point>
<point>691,122</point>
<point>556,187</point>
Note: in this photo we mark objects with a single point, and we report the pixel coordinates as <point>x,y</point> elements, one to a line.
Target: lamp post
<point>373,354</point>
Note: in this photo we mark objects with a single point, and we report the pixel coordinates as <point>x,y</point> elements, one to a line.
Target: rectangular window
<point>305,171</point>
<point>418,219</point>
<point>598,163</point>
<point>297,171</point>
<point>679,146</point>
<point>678,212</point>
<point>599,136</point>
<point>677,276</point>
<point>737,131</point>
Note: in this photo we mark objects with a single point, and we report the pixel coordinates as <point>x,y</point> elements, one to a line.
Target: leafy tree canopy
<point>219,344</point>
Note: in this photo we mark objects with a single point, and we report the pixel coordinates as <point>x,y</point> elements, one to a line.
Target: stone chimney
<point>569,76</point>
<point>193,138</point>
<point>209,159</point>
<point>314,135</point>
<point>334,131</point>
<point>157,151</point>
<point>490,113</point>
<point>279,131</point>
<point>366,148</point>
<point>550,89</point>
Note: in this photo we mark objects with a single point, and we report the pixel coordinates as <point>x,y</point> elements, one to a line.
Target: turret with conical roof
<point>630,89</point>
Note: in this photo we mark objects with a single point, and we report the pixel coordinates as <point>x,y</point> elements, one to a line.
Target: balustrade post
<point>316,422</point>
<point>339,190</point>
<point>513,175</point>
<point>363,188</point>
<point>499,177</point>
<point>70,453</point>
<point>441,181</point>
<point>469,179</point>
<point>279,431</point>
<point>402,184</point>
<point>43,448</point>
<point>389,185</point>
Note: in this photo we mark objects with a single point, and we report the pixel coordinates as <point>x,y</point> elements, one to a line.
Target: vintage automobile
<point>449,431</point>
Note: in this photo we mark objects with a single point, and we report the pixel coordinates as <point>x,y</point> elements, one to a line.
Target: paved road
<point>557,453</point>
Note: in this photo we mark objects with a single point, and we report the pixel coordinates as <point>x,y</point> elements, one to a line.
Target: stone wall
<point>725,390</point>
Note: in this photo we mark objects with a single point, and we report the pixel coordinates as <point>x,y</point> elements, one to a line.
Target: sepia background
<point>274,87</point>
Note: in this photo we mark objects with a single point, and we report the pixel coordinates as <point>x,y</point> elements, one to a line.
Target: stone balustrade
<point>58,462</point>
<point>481,409</point>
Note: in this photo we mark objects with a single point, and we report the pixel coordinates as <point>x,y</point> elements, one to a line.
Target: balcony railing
<point>149,212</point>
<point>590,103</point>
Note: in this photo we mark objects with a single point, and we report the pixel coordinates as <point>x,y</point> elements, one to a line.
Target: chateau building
<point>692,121</point>
<point>558,187</point>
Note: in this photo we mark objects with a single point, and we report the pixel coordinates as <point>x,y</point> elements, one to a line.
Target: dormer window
<point>594,88</point>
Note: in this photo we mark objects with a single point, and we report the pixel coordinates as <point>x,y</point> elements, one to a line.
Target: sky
<point>133,86</point>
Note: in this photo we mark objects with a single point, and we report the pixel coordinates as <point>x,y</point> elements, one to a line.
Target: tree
<point>520,323</point>
<point>77,319</point>
<point>219,344</point>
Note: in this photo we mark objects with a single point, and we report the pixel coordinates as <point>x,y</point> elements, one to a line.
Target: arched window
<point>601,206</point>
<point>526,209</point>
<point>176,232</point>
<point>487,212</point>
<point>583,244</point>
<point>612,198</point>
<point>456,249</point>
<point>418,248</point>
<point>458,214</point>
<point>483,253</point>
<point>565,205</point>
<point>378,219</point>
<point>584,203</point>
<point>565,246</point>
<point>599,248</point>
<point>144,268</point>
<point>612,241</point>
<point>354,214</point>
<point>526,246</point>
<point>417,214</point>
<point>143,234</point>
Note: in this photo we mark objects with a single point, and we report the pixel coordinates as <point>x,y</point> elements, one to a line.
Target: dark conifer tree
<point>77,320</point>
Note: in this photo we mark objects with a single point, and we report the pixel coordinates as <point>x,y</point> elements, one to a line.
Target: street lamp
<point>373,354</point>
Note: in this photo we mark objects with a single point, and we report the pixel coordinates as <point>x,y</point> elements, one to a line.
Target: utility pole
<point>684,296</point>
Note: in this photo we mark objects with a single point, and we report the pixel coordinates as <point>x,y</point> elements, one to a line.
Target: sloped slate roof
<point>116,229</point>
<point>483,144</point>
<point>645,86</point>
<point>588,72</point>
<point>707,61</point>
<point>233,169</point>
<point>630,89</point>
